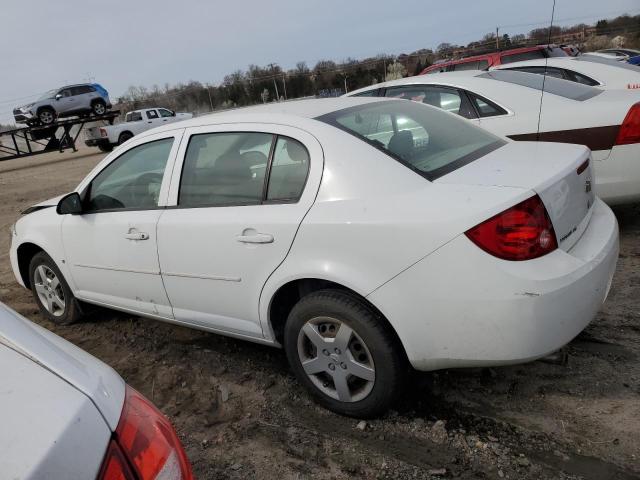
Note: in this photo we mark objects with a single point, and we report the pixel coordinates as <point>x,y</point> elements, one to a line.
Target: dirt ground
<point>241,414</point>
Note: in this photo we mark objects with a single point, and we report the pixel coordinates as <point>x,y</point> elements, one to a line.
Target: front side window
<point>458,67</point>
<point>448,99</point>
<point>165,113</point>
<point>151,114</point>
<point>289,170</point>
<point>224,169</point>
<point>426,140</point>
<point>131,181</point>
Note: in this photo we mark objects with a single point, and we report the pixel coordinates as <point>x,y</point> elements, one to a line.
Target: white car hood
<point>52,202</point>
<point>96,380</point>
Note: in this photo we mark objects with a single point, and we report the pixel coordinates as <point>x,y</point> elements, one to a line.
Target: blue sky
<point>144,42</point>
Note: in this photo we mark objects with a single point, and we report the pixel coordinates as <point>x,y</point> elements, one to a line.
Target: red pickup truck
<point>483,62</point>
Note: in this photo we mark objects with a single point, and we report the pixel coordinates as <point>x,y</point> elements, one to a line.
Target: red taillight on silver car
<point>522,232</point>
<point>145,445</point>
<point>629,131</point>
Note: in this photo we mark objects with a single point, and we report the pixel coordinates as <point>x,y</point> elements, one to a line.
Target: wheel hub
<point>336,359</point>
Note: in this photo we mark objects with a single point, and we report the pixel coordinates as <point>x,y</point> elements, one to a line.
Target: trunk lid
<point>560,174</point>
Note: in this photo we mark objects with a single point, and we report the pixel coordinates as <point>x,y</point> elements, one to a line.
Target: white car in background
<point>582,69</point>
<point>67,415</point>
<point>135,122</point>
<point>372,232</point>
<point>508,103</point>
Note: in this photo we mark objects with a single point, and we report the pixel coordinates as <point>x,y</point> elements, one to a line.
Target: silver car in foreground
<point>81,99</point>
<point>65,414</point>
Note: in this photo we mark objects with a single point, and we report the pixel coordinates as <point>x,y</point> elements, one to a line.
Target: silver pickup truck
<point>135,122</point>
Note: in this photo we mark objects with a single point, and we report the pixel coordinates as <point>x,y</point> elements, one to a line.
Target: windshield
<point>426,139</point>
<point>555,86</point>
<point>49,94</point>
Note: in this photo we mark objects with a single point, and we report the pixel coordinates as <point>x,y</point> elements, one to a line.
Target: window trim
<point>267,175</point>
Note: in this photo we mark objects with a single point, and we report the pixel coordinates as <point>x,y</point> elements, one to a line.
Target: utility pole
<point>497,39</point>
<point>284,86</point>
<point>210,101</point>
<point>384,63</point>
<point>345,83</point>
<point>273,68</point>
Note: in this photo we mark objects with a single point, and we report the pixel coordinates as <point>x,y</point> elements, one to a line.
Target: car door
<point>65,101</point>
<point>152,117</point>
<point>111,248</point>
<point>238,194</point>
<point>166,116</point>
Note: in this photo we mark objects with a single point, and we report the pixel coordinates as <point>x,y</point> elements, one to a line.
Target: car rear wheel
<point>99,107</point>
<point>51,291</point>
<point>124,136</point>
<point>344,354</point>
<point>46,116</point>
<point>105,148</point>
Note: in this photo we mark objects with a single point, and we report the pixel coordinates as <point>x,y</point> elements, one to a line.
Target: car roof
<point>276,112</point>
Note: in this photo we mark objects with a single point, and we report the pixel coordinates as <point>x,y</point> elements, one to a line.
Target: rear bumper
<point>461,307</point>
<point>618,175</point>
<point>97,142</point>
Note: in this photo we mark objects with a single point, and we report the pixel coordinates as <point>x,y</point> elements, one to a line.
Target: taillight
<point>629,131</point>
<point>145,445</point>
<point>103,132</point>
<point>522,232</point>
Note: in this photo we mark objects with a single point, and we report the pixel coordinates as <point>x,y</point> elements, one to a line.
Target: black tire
<point>46,115</point>
<point>124,136</point>
<point>380,342</point>
<point>99,107</point>
<point>72,311</point>
<point>105,148</point>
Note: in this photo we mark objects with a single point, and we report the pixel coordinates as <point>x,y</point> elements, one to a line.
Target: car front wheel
<point>51,291</point>
<point>344,353</point>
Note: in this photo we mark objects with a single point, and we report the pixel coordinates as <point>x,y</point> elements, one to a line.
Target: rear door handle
<point>255,238</point>
<point>136,236</point>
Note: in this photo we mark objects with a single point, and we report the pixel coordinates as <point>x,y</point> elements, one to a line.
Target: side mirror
<point>58,96</point>
<point>70,204</point>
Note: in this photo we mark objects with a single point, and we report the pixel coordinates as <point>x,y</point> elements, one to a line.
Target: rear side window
<point>554,86</point>
<point>580,78</point>
<point>289,169</point>
<point>133,117</point>
<point>368,93</point>
<point>242,168</point>
<point>520,57</point>
<point>426,140</point>
<point>486,108</point>
<point>448,99</point>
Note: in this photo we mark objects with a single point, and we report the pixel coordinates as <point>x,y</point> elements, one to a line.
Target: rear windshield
<point>555,86</point>
<point>426,139</point>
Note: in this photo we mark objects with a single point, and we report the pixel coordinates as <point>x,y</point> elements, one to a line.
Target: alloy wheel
<point>49,290</point>
<point>46,117</point>
<point>336,359</point>
<point>99,109</point>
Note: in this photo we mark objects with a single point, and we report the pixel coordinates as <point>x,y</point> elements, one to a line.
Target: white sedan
<point>67,415</point>
<point>510,103</point>
<point>606,74</point>
<point>357,233</point>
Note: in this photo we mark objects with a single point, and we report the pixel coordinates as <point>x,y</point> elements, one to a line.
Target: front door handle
<point>255,237</point>
<point>136,236</point>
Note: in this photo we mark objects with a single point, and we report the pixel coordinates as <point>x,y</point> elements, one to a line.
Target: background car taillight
<point>522,232</point>
<point>145,445</point>
<point>103,133</point>
<point>629,131</point>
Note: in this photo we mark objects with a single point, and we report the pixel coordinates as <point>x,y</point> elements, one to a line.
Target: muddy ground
<point>241,415</point>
